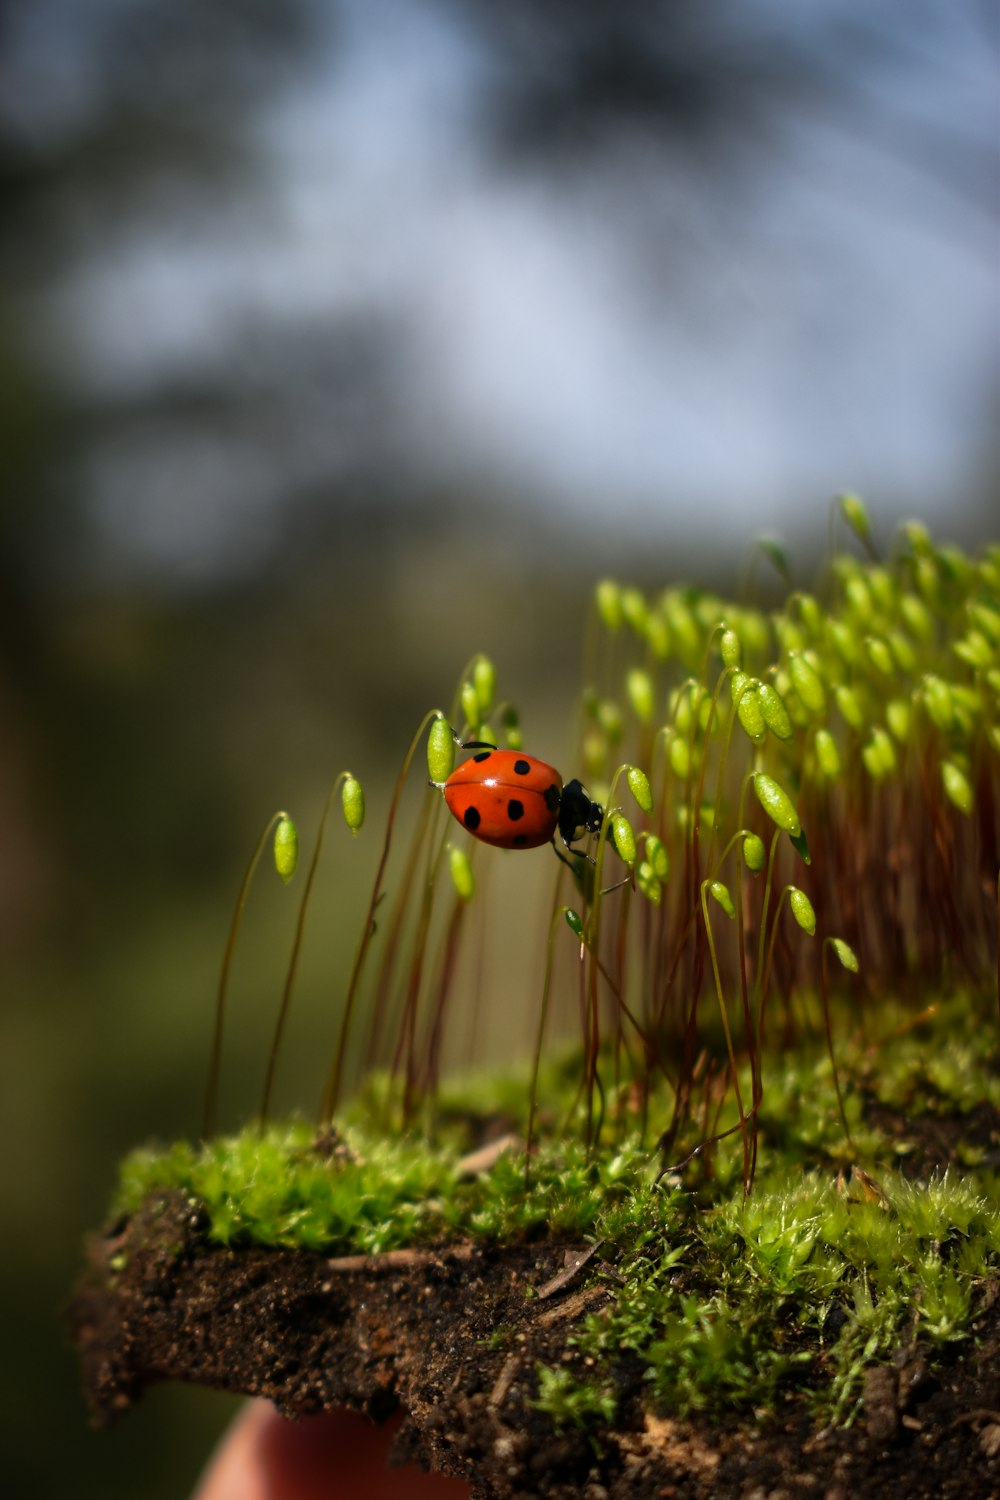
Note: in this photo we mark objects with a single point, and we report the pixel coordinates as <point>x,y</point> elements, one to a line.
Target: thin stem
<point>829,1039</point>
<point>293,961</point>
<point>543,1015</point>
<point>766,980</point>
<point>729,1039</point>
<point>331,1091</point>
<point>758,982</point>
<point>215,1058</point>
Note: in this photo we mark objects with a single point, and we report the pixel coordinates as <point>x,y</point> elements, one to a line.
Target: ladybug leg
<point>605,890</point>
<point>470,744</point>
<point>580,854</point>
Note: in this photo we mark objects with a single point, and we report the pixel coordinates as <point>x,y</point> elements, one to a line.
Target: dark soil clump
<point>453,1335</point>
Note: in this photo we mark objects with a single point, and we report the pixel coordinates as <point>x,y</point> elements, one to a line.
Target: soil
<point>451,1336</point>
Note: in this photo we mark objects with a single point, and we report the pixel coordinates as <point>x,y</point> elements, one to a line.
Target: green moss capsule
<point>440,751</point>
<point>807,682</point>
<point>656,854</point>
<point>917,617</point>
<point>776,803</point>
<point>638,785</point>
<point>595,756</point>
<point>623,838</point>
<point>609,716</point>
<point>898,716</point>
<point>975,650</point>
<point>878,755</point>
<point>720,893</point>
<point>484,680</point>
<point>802,910</point>
<point>776,715</point>
<point>850,707</point>
<point>470,706</point>
<point>352,800</point>
<point>730,649</point>
<point>658,636</point>
<point>844,641</point>
<point>680,706</point>
<point>956,785</point>
<point>845,953</point>
<point>902,650</point>
<point>754,853</point>
<point>749,712</point>
<point>856,516</point>
<point>462,877</point>
<point>986,620</point>
<point>859,599</point>
<point>635,610</point>
<point>608,598</point>
<point>810,613</point>
<point>286,848</point>
<point>679,756</point>
<point>827,755</point>
<point>649,885</point>
<point>937,700</point>
<point>639,688</point>
<point>879,655</point>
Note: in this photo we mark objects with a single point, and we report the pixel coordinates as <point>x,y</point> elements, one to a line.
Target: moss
<point>723,1301</point>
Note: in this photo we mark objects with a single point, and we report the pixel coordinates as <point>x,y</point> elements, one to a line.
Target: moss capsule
<point>608,598</point>
<point>827,755</point>
<point>748,711</point>
<point>807,683</point>
<point>639,688</point>
<point>802,910</point>
<point>956,786</point>
<point>730,649</point>
<point>720,893</point>
<point>484,680</point>
<point>776,715</point>
<point>638,785</point>
<point>754,853</point>
<point>462,877</point>
<point>352,799</point>
<point>286,847</point>
<point>649,885</point>
<point>776,803</point>
<point>623,838</point>
<point>440,751</point>
<point>656,854</point>
<point>679,756</point>
<point>470,706</point>
<point>845,953</point>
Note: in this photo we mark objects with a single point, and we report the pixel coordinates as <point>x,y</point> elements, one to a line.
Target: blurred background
<point>339,341</point>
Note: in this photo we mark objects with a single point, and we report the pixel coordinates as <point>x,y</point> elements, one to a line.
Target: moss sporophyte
<point>788,822</point>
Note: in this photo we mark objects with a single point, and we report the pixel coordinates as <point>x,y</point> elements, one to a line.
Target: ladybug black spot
<point>522,767</point>
<point>519,840</point>
<point>552,797</point>
<point>515,810</point>
<point>483,755</point>
<point>471,818</point>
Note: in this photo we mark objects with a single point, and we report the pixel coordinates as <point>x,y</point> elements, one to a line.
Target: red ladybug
<point>514,801</point>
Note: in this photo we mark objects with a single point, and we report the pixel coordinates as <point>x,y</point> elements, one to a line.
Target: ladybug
<point>515,801</point>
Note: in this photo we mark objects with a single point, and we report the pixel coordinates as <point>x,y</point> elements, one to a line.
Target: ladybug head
<point>577,813</point>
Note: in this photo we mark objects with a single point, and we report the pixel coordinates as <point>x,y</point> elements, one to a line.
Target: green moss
<point>725,1302</point>
<point>570,1401</point>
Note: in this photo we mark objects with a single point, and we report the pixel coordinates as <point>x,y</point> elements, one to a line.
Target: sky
<point>634,340</point>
